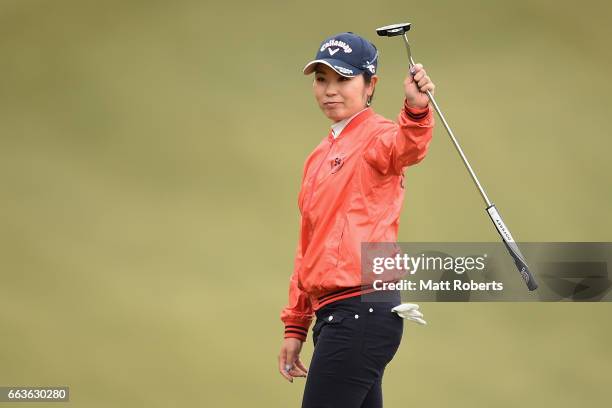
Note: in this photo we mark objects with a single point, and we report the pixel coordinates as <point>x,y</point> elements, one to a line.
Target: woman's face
<point>340,97</point>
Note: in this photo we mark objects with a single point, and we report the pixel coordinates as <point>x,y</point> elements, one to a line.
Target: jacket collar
<point>354,122</point>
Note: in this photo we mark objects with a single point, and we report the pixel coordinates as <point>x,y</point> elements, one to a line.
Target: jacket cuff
<point>416,114</point>
<point>296,330</point>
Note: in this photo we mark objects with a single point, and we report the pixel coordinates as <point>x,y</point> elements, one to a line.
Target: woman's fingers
<point>282,365</point>
<point>289,364</point>
<point>300,365</point>
<point>419,72</point>
<point>296,372</point>
<point>428,87</point>
<point>419,75</point>
<point>425,84</point>
<point>296,369</point>
<point>416,68</point>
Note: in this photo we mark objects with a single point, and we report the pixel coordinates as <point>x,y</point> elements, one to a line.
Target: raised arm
<point>397,146</point>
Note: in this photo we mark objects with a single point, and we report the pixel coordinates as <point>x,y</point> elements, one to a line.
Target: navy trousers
<point>354,341</point>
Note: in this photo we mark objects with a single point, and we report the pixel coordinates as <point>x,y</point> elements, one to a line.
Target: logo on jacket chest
<point>336,162</point>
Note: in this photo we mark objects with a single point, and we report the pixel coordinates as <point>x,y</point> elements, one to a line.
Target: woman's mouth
<point>332,104</point>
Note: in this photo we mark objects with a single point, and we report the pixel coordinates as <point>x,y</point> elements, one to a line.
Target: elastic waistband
<point>357,295</point>
<point>336,295</point>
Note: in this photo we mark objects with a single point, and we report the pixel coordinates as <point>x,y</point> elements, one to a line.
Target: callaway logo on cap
<point>348,54</point>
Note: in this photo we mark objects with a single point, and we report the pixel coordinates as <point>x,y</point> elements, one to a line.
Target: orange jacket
<point>352,192</point>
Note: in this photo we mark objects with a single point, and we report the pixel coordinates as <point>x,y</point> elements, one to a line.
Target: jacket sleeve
<point>297,315</point>
<point>397,146</point>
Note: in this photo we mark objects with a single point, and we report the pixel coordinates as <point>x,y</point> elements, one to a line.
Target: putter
<point>519,260</point>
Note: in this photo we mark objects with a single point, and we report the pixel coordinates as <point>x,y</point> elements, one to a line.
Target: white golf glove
<point>409,311</point>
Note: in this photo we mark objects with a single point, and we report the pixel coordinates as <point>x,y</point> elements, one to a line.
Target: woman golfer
<point>352,192</point>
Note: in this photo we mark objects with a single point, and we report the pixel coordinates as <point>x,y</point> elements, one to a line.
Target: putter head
<point>393,30</point>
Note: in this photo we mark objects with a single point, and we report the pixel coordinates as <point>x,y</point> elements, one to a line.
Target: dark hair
<point>367,78</point>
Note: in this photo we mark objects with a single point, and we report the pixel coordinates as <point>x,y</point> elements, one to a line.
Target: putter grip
<point>513,249</point>
<point>522,268</point>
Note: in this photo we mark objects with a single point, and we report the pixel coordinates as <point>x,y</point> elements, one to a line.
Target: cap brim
<point>341,67</point>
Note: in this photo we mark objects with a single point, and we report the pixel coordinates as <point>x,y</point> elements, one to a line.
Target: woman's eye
<point>319,79</point>
<point>342,79</point>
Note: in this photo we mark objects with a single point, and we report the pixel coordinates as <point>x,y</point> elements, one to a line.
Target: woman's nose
<point>331,90</point>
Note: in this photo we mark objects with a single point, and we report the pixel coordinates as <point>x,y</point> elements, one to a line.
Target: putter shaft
<point>449,130</point>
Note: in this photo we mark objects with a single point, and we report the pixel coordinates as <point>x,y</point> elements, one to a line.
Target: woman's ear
<point>373,81</point>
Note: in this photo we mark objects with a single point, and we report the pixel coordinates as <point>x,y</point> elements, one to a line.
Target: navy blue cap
<point>346,53</point>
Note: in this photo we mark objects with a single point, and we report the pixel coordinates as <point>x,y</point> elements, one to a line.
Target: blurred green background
<point>150,160</point>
